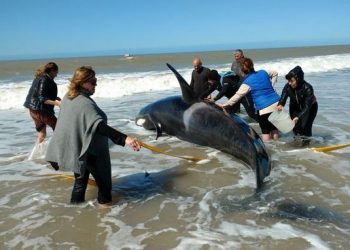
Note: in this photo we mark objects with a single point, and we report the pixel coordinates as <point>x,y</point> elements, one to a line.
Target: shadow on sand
<point>140,186</point>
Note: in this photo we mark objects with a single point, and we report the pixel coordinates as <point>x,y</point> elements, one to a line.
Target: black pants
<point>265,125</point>
<point>304,125</point>
<point>102,178</point>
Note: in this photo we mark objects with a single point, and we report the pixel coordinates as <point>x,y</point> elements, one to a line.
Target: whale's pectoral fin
<point>158,128</point>
<point>149,123</point>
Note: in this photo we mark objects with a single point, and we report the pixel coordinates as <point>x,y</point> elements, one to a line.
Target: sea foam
<point>115,85</point>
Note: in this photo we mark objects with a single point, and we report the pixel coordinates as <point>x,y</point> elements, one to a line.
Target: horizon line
<point>111,53</point>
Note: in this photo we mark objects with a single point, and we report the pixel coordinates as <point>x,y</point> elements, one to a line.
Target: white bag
<point>38,152</point>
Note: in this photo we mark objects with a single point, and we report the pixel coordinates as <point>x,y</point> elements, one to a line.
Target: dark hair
<point>247,65</point>
<point>46,69</point>
<point>214,75</point>
<point>239,51</point>
<point>290,75</point>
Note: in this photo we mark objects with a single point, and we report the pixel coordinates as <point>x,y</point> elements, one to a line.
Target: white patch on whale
<point>188,114</point>
<point>140,121</point>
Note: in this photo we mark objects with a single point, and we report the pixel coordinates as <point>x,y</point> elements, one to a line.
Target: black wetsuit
<point>228,89</point>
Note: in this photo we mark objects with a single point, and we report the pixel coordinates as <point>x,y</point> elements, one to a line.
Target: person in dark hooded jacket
<point>302,105</point>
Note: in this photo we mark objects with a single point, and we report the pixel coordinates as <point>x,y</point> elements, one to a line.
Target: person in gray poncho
<point>80,140</point>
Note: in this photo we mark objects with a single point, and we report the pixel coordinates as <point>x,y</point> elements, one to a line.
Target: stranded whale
<point>195,121</point>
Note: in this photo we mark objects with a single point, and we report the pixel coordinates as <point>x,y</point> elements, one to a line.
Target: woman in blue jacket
<point>265,98</point>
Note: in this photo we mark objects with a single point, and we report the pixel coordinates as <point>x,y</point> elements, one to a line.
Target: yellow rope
<point>70,177</point>
<point>330,148</point>
<point>160,151</point>
<point>152,148</point>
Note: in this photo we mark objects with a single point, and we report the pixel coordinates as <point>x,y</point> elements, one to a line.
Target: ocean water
<point>180,205</point>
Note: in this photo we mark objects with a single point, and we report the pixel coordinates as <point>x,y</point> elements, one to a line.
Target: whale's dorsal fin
<point>187,93</point>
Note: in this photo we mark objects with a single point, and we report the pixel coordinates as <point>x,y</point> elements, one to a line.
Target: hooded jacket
<point>301,98</point>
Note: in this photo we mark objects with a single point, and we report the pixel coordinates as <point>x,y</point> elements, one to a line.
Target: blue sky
<point>38,28</point>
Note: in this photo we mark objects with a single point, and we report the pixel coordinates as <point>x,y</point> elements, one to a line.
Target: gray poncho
<point>75,135</point>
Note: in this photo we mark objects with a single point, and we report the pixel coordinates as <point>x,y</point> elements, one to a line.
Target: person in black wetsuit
<point>302,105</point>
<point>199,79</point>
<point>228,86</point>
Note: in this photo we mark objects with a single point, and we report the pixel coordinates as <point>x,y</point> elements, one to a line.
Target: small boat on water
<point>128,56</point>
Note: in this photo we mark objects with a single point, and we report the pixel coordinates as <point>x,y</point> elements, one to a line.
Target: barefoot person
<point>247,99</point>
<point>80,141</point>
<point>41,99</point>
<point>265,99</point>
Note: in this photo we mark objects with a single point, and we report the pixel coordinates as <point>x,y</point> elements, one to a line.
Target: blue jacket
<point>261,88</point>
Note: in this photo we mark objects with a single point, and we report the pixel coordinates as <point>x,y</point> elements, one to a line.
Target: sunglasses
<point>93,81</point>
